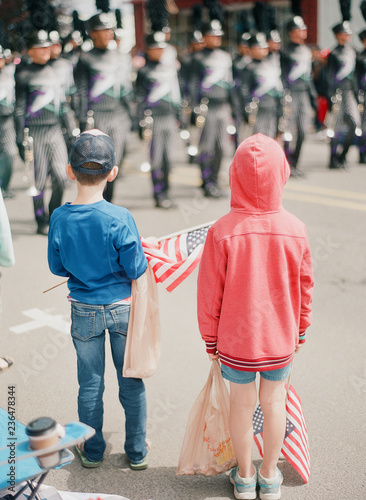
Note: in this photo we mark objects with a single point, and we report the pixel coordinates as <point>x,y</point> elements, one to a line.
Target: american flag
<point>176,257</point>
<point>295,446</point>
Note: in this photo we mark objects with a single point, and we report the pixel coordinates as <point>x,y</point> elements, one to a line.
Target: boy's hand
<point>213,356</point>
<point>298,347</point>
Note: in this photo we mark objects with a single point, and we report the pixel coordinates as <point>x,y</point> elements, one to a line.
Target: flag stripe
<point>259,443</point>
<point>296,466</point>
<point>183,276</point>
<point>177,250</point>
<point>295,446</point>
<point>185,269</point>
<point>299,427</point>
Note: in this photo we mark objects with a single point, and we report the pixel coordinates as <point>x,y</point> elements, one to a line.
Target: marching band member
<point>296,76</point>
<point>262,89</point>
<point>240,60</point>
<point>341,75</point>
<point>64,71</point>
<point>40,107</point>
<point>212,78</point>
<point>100,77</point>
<point>157,90</point>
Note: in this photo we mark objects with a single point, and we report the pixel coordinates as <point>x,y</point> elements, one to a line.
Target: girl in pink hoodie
<point>255,287</point>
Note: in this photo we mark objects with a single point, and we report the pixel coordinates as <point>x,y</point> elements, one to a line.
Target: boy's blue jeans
<point>88,326</point>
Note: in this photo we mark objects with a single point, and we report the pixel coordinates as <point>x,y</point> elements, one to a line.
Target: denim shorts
<point>242,377</point>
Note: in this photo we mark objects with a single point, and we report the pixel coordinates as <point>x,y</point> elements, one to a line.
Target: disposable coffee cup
<point>45,432</point>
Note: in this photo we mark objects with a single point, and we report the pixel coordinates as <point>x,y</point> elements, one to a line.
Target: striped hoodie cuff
<point>302,338</point>
<point>211,347</point>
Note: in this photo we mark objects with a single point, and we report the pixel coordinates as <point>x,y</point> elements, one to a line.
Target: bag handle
<point>288,381</point>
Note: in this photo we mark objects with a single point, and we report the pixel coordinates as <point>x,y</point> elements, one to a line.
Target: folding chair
<point>19,464</point>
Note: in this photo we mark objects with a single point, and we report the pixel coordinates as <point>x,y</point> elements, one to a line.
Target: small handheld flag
<point>295,446</point>
<point>176,256</point>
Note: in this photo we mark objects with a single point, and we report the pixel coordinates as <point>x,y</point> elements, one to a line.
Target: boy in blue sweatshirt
<point>97,246</point>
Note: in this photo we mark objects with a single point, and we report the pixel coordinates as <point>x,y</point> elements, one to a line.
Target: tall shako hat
<point>362,34</point>
<point>103,20</point>
<point>296,22</point>
<point>41,20</point>
<point>4,41</point>
<point>158,16</point>
<point>119,28</point>
<point>260,17</point>
<point>196,35</point>
<point>244,27</point>
<point>273,33</point>
<point>344,26</point>
<point>77,34</point>
<point>216,14</point>
<point>79,31</point>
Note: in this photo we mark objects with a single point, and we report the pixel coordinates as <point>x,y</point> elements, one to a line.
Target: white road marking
<point>41,319</point>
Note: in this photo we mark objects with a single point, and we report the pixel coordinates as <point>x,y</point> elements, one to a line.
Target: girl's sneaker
<point>270,489</point>
<point>244,489</point>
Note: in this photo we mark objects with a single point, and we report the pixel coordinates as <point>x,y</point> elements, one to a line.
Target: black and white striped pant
<point>161,151</point>
<point>348,118</point>
<point>117,125</point>
<point>50,159</point>
<point>299,122</point>
<point>214,140</point>
<point>8,150</point>
<point>266,121</point>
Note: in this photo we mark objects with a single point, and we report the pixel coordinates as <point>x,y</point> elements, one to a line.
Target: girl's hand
<point>213,356</point>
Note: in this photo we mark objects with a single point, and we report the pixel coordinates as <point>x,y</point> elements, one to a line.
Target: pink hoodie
<point>255,278</point>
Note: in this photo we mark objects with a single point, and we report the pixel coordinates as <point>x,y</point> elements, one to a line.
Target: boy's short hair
<point>87,179</point>
<point>92,156</point>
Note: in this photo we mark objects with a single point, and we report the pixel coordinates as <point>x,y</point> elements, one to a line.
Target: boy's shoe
<point>85,462</point>
<point>144,463</point>
<point>270,489</point>
<point>244,489</point>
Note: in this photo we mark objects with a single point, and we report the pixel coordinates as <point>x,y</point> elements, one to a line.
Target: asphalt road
<point>329,373</point>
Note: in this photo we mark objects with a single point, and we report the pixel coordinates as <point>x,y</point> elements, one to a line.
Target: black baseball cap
<point>93,146</point>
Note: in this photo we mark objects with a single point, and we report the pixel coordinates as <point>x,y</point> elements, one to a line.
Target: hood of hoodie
<point>258,174</point>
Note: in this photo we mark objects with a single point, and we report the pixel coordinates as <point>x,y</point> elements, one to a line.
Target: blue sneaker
<point>270,489</point>
<point>244,489</point>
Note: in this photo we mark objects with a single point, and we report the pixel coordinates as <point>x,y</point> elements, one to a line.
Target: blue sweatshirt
<point>98,247</point>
